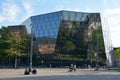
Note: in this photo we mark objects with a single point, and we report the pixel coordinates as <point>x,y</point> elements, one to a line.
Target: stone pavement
<point>59,74</point>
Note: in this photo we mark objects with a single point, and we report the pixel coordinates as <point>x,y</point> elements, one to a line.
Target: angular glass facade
<point>68,32</point>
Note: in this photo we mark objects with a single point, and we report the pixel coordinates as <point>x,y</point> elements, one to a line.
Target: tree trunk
<point>9,61</point>
<point>3,62</point>
<point>15,62</point>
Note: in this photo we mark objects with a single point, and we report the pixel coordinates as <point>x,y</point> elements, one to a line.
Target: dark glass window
<point>65,15</point>
<point>72,16</point>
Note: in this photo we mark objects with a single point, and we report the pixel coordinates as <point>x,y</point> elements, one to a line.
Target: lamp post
<point>31,46</point>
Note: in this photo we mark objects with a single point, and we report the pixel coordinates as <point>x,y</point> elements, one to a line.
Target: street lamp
<point>27,72</point>
<point>31,47</point>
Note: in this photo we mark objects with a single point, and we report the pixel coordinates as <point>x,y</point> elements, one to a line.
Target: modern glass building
<point>69,32</point>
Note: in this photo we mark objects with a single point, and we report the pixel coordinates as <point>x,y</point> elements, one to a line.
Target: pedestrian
<point>26,72</point>
<point>29,70</point>
<point>74,67</point>
<point>70,68</point>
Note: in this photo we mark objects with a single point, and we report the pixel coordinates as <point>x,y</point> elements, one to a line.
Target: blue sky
<point>14,12</point>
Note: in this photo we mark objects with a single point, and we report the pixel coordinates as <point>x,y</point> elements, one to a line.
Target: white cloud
<point>58,8</point>
<point>76,9</point>
<point>79,10</point>
<point>113,20</point>
<point>2,18</point>
<point>88,10</point>
<point>13,13</point>
<point>9,11</point>
<point>112,11</point>
<point>28,8</point>
<point>113,16</point>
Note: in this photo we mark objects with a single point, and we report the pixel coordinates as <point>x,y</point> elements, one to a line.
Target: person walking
<point>70,68</point>
<point>74,67</point>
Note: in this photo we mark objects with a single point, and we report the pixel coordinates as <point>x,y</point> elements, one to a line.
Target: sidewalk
<point>59,74</point>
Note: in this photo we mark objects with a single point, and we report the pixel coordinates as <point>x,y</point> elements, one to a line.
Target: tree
<point>117,52</point>
<point>4,43</point>
<point>15,47</point>
<point>19,45</point>
<point>24,43</point>
<point>12,45</point>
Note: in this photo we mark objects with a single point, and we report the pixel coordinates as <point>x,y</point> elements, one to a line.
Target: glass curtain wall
<point>68,34</point>
<point>46,28</point>
<point>80,34</point>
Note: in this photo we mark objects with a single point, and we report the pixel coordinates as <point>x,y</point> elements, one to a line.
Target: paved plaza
<point>59,74</point>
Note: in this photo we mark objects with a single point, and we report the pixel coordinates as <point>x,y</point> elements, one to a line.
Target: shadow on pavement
<point>68,77</point>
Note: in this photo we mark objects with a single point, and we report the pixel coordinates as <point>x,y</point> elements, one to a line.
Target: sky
<point>14,12</point>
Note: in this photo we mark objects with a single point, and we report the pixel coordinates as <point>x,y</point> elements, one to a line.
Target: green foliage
<point>64,34</point>
<point>75,26</point>
<point>97,35</point>
<point>67,55</point>
<point>69,45</point>
<point>24,43</point>
<point>91,55</point>
<point>74,40</point>
<point>12,44</point>
<point>4,42</point>
<point>15,45</point>
<point>117,52</point>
